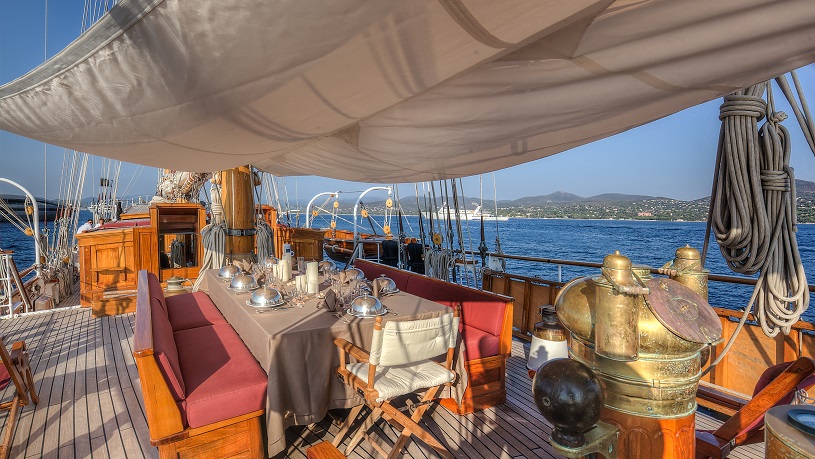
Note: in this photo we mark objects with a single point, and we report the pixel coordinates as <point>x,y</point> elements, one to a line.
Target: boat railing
<point>587,264</point>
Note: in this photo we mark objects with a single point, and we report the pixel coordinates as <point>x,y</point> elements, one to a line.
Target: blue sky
<point>670,157</point>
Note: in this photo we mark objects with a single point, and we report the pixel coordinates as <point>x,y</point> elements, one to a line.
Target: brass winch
<point>642,336</point>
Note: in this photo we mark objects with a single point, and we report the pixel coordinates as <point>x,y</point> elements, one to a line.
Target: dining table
<point>294,345</point>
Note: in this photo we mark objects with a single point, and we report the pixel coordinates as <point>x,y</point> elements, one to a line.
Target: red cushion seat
<point>479,344</point>
<point>485,315</point>
<point>5,377</point>
<point>191,310</point>
<point>222,378</point>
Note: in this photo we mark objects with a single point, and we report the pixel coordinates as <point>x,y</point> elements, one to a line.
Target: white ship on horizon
<point>465,214</point>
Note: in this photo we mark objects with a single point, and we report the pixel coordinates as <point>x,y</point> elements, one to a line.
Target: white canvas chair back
<point>402,343</point>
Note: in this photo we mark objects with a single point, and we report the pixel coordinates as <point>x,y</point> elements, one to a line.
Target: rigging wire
<point>264,232</point>
<point>498,249</point>
<point>44,145</point>
<point>133,177</point>
<point>460,233</point>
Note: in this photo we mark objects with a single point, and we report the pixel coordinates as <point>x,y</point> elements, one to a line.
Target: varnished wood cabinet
<point>109,261</point>
<point>305,242</point>
<point>110,258</point>
<point>178,246</point>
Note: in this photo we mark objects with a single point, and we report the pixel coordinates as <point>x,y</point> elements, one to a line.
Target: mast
<point>238,204</point>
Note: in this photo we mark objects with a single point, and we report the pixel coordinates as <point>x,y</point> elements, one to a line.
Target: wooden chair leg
<point>422,434</point>
<point>31,389</point>
<point>24,380</point>
<point>352,416</point>
<point>363,429</point>
<point>25,370</point>
<point>11,423</point>
<point>412,428</point>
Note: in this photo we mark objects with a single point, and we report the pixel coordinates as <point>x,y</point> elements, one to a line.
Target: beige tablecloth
<point>295,348</point>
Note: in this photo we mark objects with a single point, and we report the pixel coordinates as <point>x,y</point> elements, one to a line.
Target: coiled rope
<point>753,208</point>
<point>439,263</point>
<point>213,237</point>
<point>265,240</point>
<point>178,254</point>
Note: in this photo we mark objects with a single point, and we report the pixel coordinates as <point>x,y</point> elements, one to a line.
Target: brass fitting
<point>642,336</point>
<point>686,268</point>
<point>616,326</point>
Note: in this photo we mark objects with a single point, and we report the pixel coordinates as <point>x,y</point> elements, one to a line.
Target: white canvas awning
<point>392,91</point>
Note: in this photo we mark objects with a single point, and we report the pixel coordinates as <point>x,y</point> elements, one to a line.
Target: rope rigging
<point>213,236</point>
<point>264,234</point>
<point>752,212</point>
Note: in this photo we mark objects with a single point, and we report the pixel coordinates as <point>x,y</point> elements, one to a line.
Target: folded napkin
<point>329,302</point>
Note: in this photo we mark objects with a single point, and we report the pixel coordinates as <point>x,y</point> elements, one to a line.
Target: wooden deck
<point>91,402</point>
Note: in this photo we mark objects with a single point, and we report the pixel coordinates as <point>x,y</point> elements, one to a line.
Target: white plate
<point>242,290</point>
<point>258,306</point>
<point>367,316</point>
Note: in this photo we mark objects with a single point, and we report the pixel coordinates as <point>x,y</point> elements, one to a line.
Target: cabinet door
<point>143,248</point>
<point>112,265</point>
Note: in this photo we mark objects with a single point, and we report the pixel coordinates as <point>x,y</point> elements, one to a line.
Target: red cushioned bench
<point>486,330</point>
<point>203,390</point>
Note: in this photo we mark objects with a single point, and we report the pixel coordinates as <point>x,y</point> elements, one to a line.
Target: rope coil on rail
<point>265,239</point>
<point>753,212</point>
<point>213,238</point>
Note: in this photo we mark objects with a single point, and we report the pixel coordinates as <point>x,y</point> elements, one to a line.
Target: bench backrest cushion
<point>156,291</point>
<point>373,270</point>
<point>165,351</point>
<point>482,310</point>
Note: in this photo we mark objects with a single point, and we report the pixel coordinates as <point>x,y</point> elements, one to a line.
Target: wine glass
<point>300,290</point>
<point>301,264</point>
<point>269,267</point>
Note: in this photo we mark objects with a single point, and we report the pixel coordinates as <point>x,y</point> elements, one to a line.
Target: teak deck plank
<point>82,440</point>
<point>91,403</point>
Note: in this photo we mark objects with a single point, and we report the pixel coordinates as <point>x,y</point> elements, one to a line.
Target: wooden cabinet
<point>110,258</point>
<point>177,234</point>
<point>170,246</point>
<point>305,242</point>
<point>108,267</point>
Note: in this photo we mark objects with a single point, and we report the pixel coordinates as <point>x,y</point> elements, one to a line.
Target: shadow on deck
<point>91,403</point>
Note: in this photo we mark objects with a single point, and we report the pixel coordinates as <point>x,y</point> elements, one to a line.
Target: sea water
<point>651,243</point>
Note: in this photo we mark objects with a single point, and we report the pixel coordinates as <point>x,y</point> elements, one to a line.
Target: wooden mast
<point>236,198</point>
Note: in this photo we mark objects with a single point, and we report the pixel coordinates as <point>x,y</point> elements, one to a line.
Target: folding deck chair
<point>15,369</point>
<point>776,386</point>
<point>398,364</point>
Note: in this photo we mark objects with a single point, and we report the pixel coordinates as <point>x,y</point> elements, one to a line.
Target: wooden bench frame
<point>239,436</point>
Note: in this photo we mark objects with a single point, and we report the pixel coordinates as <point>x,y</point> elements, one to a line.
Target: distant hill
<point>804,187</point>
<point>556,197</point>
<point>564,198</point>
<point>562,204</point>
<point>619,197</point>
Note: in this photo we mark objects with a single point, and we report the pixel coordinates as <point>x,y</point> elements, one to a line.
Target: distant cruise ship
<point>16,204</point>
<point>468,214</point>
